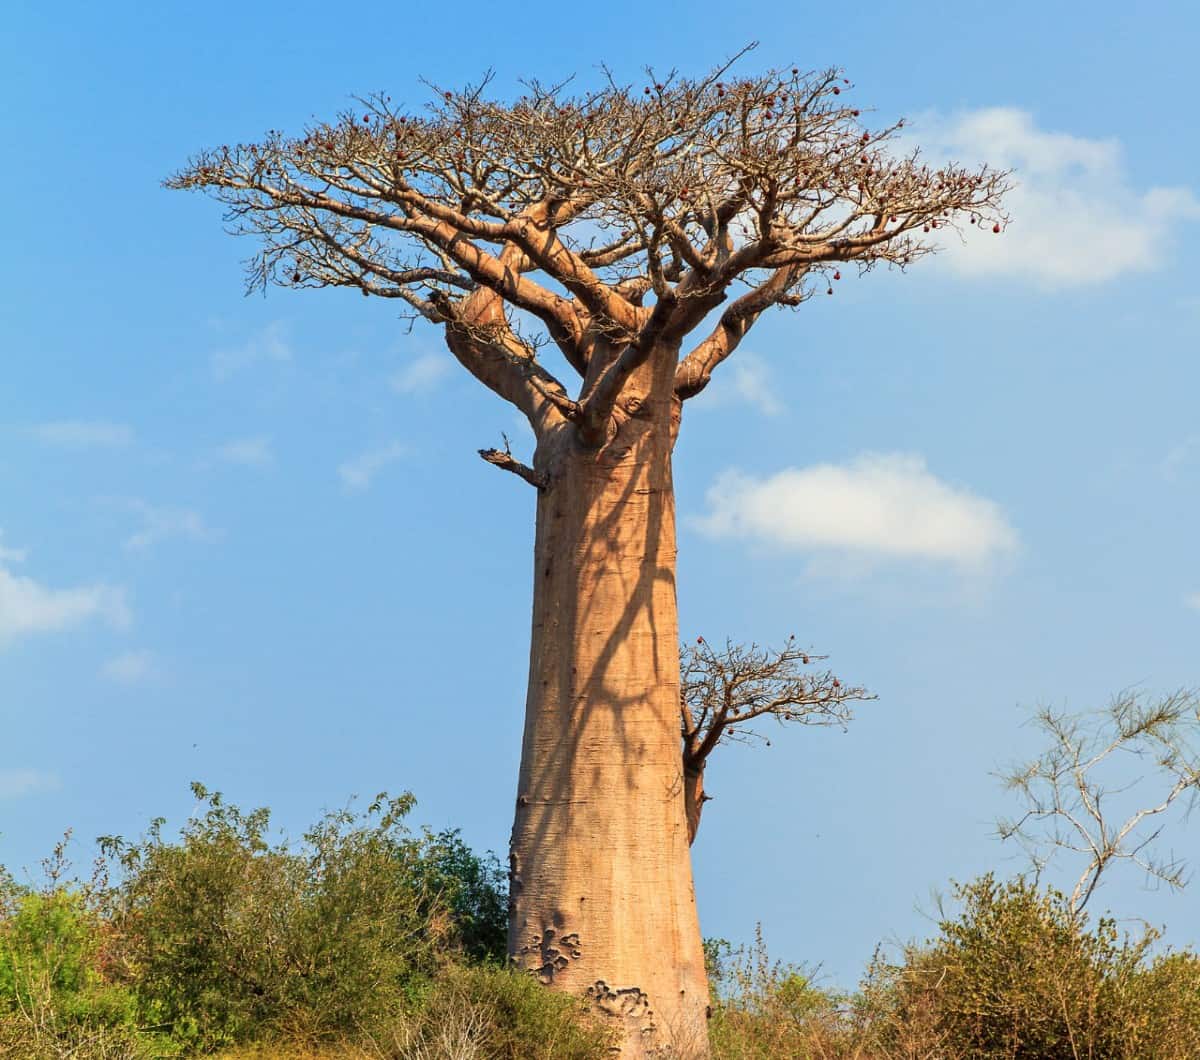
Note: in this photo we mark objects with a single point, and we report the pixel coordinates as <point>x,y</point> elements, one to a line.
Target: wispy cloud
<point>17,782</point>
<point>160,524</point>
<point>248,452</point>
<point>879,506</point>
<point>1180,455</point>
<point>1077,218</point>
<point>421,375</point>
<point>268,344</point>
<point>1193,601</point>
<point>130,668</point>
<point>83,434</point>
<point>28,607</point>
<point>745,377</point>
<point>358,472</point>
<point>11,555</point>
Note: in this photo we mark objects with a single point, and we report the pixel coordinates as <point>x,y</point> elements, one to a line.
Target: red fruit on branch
<point>837,275</point>
<point>699,640</point>
<point>996,228</point>
<point>837,91</point>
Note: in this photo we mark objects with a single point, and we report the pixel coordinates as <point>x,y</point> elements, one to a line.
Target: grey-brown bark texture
<point>609,228</point>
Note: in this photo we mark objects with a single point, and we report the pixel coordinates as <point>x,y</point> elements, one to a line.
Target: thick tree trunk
<point>602,903</point>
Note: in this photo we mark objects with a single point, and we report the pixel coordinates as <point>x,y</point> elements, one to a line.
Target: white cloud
<point>1076,218</point>
<point>268,344</point>
<point>17,782</point>
<point>1193,601</point>
<point>878,506</point>
<point>422,375</point>
<point>159,524</point>
<point>130,668</point>
<point>248,452</point>
<point>83,434</point>
<point>357,473</point>
<point>28,607</point>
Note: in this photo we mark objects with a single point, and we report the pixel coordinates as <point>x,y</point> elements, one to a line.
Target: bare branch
<point>724,690</point>
<point>1066,787</point>
<point>573,209</point>
<point>506,461</point>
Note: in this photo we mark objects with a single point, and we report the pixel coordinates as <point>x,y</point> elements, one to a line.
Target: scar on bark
<point>626,1002</point>
<point>556,951</point>
<point>503,459</point>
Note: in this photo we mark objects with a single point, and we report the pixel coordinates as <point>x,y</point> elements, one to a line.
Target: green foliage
<point>54,998</point>
<point>476,891</point>
<point>225,936</point>
<point>229,935</point>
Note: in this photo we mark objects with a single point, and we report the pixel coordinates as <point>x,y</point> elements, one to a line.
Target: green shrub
<point>227,936</point>
<point>54,998</point>
<point>1017,975</point>
<point>476,891</point>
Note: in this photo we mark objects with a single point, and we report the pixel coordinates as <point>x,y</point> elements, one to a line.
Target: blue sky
<point>248,541</point>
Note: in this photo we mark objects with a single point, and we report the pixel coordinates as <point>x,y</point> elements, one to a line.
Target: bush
<point>476,890</point>
<point>54,999</point>
<point>1018,975</point>
<point>495,1013</point>
<point>764,1009</point>
<point>228,937</point>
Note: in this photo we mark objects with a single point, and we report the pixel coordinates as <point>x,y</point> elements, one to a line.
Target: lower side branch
<point>508,462</point>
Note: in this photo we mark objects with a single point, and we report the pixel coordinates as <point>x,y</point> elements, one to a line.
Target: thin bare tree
<point>1104,787</point>
<point>629,237</point>
<point>725,691</point>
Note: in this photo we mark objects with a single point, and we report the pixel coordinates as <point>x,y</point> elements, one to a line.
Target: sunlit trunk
<point>602,902</point>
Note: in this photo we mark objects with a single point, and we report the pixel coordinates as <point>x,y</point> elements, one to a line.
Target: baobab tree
<point>635,234</point>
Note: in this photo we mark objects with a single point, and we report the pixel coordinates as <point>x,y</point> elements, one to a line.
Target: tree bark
<point>602,903</point>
